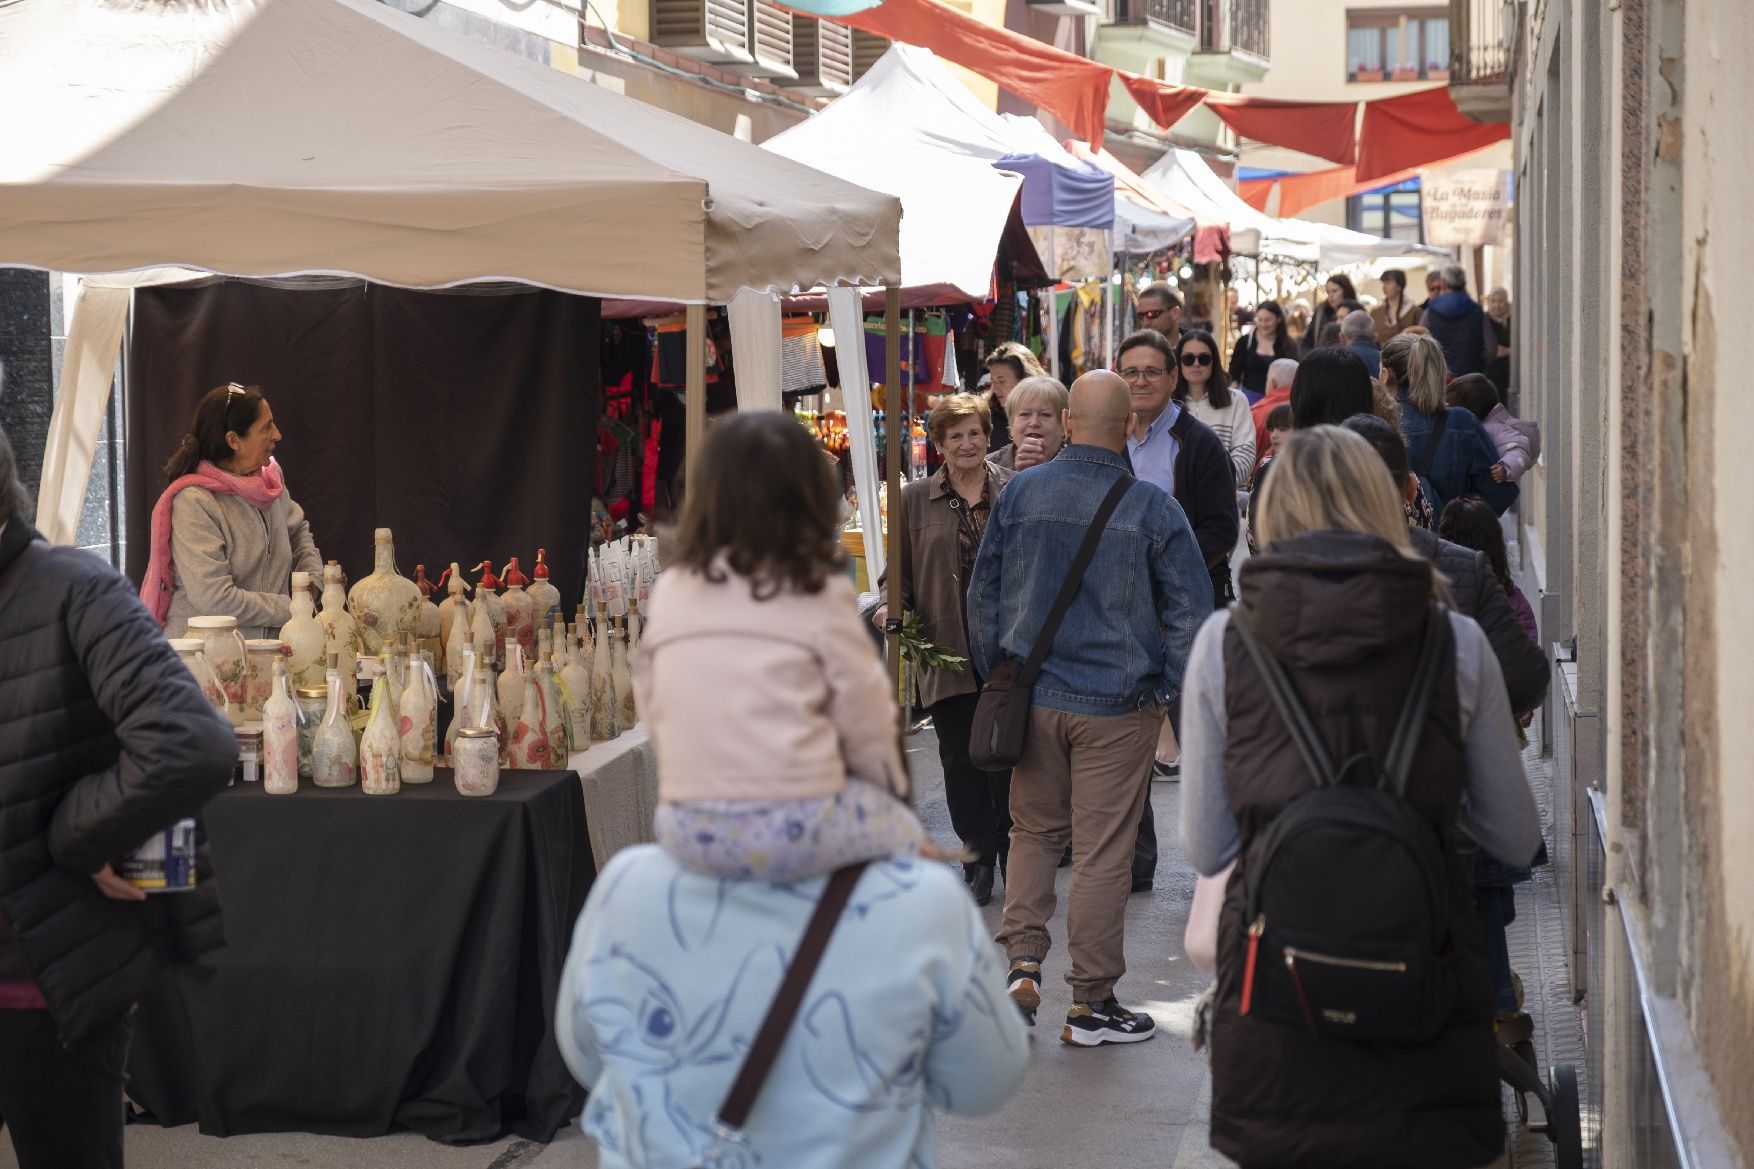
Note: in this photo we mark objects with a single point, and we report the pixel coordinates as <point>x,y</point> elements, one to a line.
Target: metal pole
<point>695,407</point>
<point>892,391</point>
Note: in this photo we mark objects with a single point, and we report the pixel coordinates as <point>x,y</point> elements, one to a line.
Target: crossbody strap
<point>1074,577</point>
<point>1431,441</point>
<point>15,571</point>
<point>734,1113</point>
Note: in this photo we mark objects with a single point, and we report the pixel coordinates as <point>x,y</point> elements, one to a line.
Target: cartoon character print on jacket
<point>640,1021</point>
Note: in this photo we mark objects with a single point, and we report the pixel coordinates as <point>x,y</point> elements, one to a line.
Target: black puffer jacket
<point>104,739</point>
<point>1478,594</point>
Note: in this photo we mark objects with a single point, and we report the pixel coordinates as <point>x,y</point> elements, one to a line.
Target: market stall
<point>381,148</point>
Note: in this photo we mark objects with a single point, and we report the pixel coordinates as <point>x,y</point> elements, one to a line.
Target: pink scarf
<point>260,488</point>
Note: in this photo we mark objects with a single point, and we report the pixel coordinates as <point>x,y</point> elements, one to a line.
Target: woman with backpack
<point>1342,731</point>
<point>1448,447</point>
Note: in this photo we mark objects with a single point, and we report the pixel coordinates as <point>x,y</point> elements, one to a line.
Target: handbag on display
<point>1001,714</point>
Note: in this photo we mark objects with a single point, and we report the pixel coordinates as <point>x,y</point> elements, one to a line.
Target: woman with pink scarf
<point>226,534</point>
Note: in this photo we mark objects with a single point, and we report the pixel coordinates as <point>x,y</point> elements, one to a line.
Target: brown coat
<point>931,575</point>
<point>1346,619</point>
<point>1387,327</point>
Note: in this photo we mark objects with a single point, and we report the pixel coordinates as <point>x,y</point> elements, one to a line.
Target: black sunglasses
<point>1196,359</point>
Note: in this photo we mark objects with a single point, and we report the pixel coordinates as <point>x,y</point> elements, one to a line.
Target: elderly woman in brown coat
<point>942,520</point>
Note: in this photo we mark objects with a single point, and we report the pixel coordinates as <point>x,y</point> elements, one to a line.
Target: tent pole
<point>694,432</point>
<point>1053,334</point>
<point>893,406</point>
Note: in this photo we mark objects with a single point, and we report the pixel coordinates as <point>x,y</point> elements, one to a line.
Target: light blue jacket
<point>1126,638</point>
<point>671,974</point>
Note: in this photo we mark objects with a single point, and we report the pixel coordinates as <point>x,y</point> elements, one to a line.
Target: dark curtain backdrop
<point>465,422</point>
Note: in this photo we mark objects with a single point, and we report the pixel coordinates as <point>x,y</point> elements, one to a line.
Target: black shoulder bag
<point>734,1112</point>
<point>1001,716</point>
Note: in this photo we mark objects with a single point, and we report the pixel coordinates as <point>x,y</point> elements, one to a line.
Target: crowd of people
<point>1086,561</point>
<point>793,974</point>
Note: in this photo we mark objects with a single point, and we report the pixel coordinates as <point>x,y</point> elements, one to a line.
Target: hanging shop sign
<point>1465,206</point>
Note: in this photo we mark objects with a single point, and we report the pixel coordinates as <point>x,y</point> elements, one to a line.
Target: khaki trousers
<point>1083,779</point>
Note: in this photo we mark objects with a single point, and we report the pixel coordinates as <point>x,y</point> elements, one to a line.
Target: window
<point>1392,212</point>
<point>1389,44</point>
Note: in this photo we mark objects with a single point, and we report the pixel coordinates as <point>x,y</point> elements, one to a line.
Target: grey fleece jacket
<point>234,561</point>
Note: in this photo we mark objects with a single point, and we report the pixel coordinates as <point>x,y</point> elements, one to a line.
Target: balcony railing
<point>1180,15</point>
<point>1482,36</point>
<point>1235,26</point>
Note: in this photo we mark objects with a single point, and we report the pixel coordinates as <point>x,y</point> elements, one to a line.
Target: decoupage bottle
<point>604,711</point>
<point>624,712</point>
<point>454,599</point>
<point>560,643</point>
<point>520,610</point>
<point>427,626</point>
<point>385,604</point>
<point>380,747</point>
<point>546,596</point>
<point>484,708</point>
<point>280,719</point>
<point>462,692</point>
<point>529,747</point>
<point>511,679</point>
<point>343,633</point>
<point>553,707</point>
<point>459,638</point>
<point>487,597</point>
<point>305,635</point>
<point>575,689</point>
<point>334,755</point>
<point>417,720</point>
<point>222,648</point>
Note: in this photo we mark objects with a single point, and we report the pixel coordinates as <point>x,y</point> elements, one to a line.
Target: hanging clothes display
<point>801,368</point>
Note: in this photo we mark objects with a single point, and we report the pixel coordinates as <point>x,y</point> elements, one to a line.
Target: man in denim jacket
<point>1114,667</point>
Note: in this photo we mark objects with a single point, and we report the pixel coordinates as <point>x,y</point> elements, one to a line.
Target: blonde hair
<point>1328,479</point>
<point>1416,360</point>
<point>1041,388</point>
<point>1018,356</point>
<point>953,408</point>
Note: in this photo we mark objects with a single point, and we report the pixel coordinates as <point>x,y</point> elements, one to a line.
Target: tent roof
<point>909,128</point>
<point>1146,220</point>
<point>273,137</point>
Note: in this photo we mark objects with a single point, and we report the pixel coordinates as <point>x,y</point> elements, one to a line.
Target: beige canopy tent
<point>281,137</point>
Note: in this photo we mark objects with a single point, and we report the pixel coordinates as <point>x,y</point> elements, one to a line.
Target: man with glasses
<point>1161,309</point>
<point>1168,446</point>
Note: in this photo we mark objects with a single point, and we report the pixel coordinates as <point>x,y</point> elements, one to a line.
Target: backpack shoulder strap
<point>1411,723</point>
<point>1287,702</point>
<point>1038,653</point>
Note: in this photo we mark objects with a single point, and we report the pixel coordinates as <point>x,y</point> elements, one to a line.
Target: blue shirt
<point>671,973</point>
<point>1154,455</point>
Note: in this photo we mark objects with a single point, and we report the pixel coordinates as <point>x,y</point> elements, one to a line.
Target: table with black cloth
<point>390,962</point>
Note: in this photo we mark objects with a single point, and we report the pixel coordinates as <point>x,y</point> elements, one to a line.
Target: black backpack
<point>1345,929</point>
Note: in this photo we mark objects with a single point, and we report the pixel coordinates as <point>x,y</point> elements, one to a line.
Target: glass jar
<point>259,653</point>
<point>188,650</point>
<point>475,759</point>
<point>311,701</point>
<point>223,648</point>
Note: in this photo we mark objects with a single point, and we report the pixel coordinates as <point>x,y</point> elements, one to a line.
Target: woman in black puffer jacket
<point>104,739</point>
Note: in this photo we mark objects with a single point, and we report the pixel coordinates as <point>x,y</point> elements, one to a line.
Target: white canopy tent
<point>267,138</point>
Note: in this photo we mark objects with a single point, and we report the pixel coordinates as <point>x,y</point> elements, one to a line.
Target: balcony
<point>1482,46</point>
<point>1151,37</point>
<point>1171,16</point>
<point>1235,46</point>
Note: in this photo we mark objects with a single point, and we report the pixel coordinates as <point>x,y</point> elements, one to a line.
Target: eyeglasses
<point>1143,375</point>
<point>1151,314</point>
<point>1196,359</point>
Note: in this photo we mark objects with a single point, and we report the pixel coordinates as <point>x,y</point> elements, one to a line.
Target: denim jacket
<point>1126,638</point>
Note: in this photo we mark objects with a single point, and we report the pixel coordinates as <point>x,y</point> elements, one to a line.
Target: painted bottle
<point>553,706</point>
<point>511,679</point>
<point>462,693</point>
<point>603,706</point>
<point>385,604</point>
<point>427,625</point>
<point>380,747</point>
<point>529,747</point>
<point>417,720</point>
<point>280,733</point>
<point>343,633</point>
<point>546,596</point>
<point>575,689</point>
<point>520,610</point>
<point>623,681</point>
<point>487,596</point>
<point>334,755</point>
<point>455,597</point>
<point>305,635</point>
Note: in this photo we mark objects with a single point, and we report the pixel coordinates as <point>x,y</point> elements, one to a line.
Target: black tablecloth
<point>390,961</point>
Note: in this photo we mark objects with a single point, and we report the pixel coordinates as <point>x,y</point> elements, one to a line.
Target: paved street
<point>1108,1107</point>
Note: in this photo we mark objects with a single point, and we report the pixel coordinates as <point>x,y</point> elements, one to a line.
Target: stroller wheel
<point>1565,1121</point>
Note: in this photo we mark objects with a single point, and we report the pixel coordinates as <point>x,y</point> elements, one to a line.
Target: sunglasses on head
<point>1196,358</point>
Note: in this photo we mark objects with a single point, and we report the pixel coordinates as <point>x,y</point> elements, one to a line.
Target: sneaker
<point>1093,1024</point>
<point>1167,772</point>
<point>1023,984</point>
